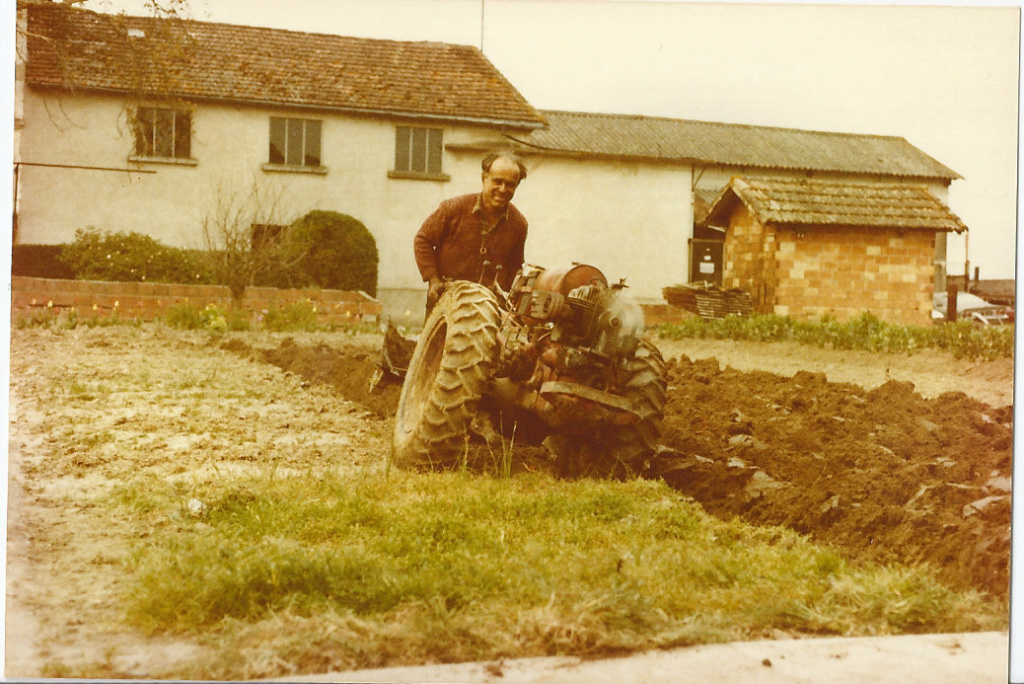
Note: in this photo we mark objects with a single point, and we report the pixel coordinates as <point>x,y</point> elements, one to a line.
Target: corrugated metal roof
<point>193,60</point>
<point>827,203</point>
<point>654,138</point>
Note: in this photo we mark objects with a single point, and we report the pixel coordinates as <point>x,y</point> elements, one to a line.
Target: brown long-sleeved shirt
<point>453,243</point>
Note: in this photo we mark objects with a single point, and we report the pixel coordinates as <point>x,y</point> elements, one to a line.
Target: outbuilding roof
<point>827,203</point>
<point>701,142</point>
<point>192,60</point>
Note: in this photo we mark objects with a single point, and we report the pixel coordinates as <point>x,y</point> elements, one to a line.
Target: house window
<point>266,235</point>
<point>294,142</point>
<point>161,132</point>
<point>418,151</point>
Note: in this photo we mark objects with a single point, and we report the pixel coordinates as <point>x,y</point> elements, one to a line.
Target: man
<point>477,237</point>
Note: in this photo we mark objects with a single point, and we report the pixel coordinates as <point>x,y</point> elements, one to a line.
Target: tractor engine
<point>566,339</point>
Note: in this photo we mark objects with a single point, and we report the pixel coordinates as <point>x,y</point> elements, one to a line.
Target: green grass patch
<point>299,316</point>
<point>293,317</point>
<point>215,319</point>
<point>450,567</point>
<point>866,332</point>
<point>69,319</point>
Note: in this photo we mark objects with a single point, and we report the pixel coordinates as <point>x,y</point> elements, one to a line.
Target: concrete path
<point>977,658</point>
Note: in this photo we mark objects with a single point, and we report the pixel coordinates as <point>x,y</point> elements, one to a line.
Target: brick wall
<point>147,301</point>
<point>840,271</point>
<point>846,271</point>
<point>748,259</point>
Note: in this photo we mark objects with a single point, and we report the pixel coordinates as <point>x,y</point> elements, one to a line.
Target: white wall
<point>629,219</point>
<point>229,146</point>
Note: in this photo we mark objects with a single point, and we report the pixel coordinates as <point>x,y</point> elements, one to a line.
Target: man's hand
<point>435,288</point>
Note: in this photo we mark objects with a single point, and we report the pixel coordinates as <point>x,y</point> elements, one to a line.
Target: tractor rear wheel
<point>645,385</point>
<point>621,451</point>
<point>449,371</point>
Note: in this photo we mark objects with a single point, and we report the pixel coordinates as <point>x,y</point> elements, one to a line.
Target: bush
<point>341,254</point>
<point>40,261</point>
<point>131,258</point>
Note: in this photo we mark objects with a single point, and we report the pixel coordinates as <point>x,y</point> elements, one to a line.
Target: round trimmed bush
<point>341,253</point>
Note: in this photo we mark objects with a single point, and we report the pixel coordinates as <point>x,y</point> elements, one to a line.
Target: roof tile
<point>827,203</point>
<point>74,48</point>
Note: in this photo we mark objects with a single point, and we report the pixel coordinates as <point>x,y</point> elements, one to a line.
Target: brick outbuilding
<point>808,248</point>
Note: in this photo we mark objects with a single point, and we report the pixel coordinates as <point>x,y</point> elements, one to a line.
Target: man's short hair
<point>489,160</point>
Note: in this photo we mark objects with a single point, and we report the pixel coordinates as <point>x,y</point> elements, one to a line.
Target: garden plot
<point>877,470</point>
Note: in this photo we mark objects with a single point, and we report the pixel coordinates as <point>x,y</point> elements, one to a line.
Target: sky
<point>943,77</point>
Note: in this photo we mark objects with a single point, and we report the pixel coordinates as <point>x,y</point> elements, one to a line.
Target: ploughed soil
<point>840,446</point>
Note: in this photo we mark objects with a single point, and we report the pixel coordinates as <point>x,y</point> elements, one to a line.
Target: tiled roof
<point>243,64</point>
<point>653,138</point>
<point>827,203</point>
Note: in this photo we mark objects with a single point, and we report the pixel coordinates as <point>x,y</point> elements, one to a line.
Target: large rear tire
<point>448,373</point>
<point>646,387</point>
<point>622,451</point>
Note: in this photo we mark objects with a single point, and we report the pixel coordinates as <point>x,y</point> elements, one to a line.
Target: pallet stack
<point>707,300</point>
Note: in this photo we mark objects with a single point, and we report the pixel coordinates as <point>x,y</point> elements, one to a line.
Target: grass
<point>365,571</point>
<point>866,332</point>
<point>68,319</point>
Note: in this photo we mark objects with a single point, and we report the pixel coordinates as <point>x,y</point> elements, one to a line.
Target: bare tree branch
<point>239,255</point>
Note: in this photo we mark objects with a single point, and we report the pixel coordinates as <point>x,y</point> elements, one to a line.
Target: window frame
<point>419,159</point>
<point>162,129</point>
<point>285,132</point>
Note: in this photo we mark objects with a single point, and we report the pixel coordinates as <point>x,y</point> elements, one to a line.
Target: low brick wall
<point>659,314</point>
<point>147,301</point>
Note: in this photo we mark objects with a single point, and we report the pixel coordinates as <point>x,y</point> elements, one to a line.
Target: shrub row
<point>865,332</point>
<point>132,258</point>
<point>337,252</point>
<point>40,261</point>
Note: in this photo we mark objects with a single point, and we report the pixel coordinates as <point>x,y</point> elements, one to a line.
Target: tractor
<point>561,354</point>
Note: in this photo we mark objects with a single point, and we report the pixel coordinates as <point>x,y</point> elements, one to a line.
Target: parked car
<point>974,308</point>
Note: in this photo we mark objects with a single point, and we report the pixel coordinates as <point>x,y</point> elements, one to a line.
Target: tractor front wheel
<point>449,371</point>
<point>621,451</point>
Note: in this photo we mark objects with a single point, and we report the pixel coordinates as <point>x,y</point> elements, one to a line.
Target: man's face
<point>500,184</point>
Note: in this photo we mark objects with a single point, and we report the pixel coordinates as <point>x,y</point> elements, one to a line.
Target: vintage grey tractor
<point>561,355</point>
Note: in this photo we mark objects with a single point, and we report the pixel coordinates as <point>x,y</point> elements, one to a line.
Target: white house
<point>134,124</point>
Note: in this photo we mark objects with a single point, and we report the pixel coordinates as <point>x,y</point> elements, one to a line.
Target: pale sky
<point>943,77</point>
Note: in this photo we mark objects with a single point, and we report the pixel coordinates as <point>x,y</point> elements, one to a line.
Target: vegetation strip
<point>963,339</point>
<point>456,566</point>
